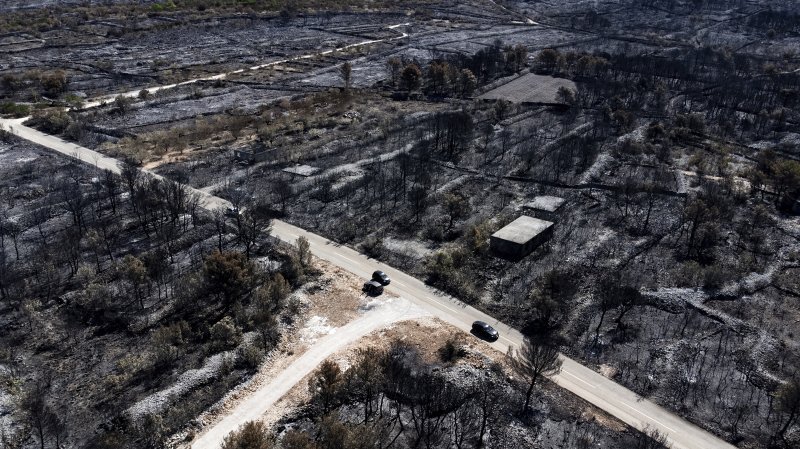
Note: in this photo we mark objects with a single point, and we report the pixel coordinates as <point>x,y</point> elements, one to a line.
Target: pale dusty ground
<point>608,371</point>
<point>340,297</point>
<point>428,334</point>
<point>335,301</point>
<point>330,302</point>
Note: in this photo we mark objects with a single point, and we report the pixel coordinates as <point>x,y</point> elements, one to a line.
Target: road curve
<point>260,401</point>
<point>593,387</point>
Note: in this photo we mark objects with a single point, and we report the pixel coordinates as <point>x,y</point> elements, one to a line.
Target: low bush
<point>249,357</point>
<point>15,110</point>
<point>448,271</point>
<point>51,121</point>
<point>451,351</point>
<point>225,334</point>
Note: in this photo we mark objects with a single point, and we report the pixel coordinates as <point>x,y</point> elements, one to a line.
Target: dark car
<point>232,212</point>
<point>373,288</point>
<point>381,277</point>
<point>484,330</point>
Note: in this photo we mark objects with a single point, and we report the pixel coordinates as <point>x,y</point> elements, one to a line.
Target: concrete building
<point>520,237</point>
<point>544,207</point>
<point>251,156</point>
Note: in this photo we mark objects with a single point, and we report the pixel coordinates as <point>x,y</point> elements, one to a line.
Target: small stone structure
<point>544,207</point>
<point>251,156</point>
<point>520,237</point>
<point>301,170</point>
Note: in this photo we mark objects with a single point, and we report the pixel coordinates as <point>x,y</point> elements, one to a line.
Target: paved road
<point>91,157</point>
<point>585,383</point>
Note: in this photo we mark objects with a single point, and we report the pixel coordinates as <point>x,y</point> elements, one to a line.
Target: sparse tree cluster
<point>128,259</point>
<point>404,403</point>
<point>458,75</point>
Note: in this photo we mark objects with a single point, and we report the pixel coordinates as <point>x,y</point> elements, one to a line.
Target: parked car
<point>232,212</point>
<point>381,277</point>
<point>484,330</point>
<point>373,288</point>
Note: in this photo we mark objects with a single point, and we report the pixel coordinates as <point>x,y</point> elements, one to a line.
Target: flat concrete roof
<point>522,230</point>
<point>546,203</point>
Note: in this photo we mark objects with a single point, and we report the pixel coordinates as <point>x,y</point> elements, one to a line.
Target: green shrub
<point>225,334</point>
<point>373,246</point>
<point>51,121</point>
<point>449,270</point>
<point>166,342</point>
<point>249,357</point>
<point>714,277</point>
<point>228,275</point>
<point>688,274</point>
<point>11,82</point>
<point>164,6</point>
<point>75,131</point>
<point>53,83</point>
<point>434,232</point>
<point>74,101</point>
<point>250,435</point>
<point>15,110</point>
<point>477,237</point>
<point>122,104</point>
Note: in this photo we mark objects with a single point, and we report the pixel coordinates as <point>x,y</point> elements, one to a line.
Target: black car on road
<point>483,330</point>
<point>373,288</point>
<point>381,277</point>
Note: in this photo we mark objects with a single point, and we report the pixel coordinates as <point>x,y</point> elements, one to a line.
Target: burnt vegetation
<point>394,398</point>
<point>668,126</point>
<point>111,287</point>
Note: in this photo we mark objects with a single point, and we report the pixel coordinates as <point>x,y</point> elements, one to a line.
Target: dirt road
<point>380,313</point>
<point>580,380</point>
<point>134,93</point>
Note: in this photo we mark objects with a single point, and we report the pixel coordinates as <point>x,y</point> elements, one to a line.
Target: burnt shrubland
<point>114,286</point>
<point>669,128</point>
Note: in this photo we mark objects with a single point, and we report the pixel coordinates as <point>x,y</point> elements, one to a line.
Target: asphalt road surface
<point>580,380</point>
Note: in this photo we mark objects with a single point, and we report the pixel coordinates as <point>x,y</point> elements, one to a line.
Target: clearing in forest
<point>530,88</point>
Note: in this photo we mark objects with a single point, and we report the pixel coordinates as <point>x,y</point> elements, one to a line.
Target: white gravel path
<point>379,313</point>
<point>185,383</point>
